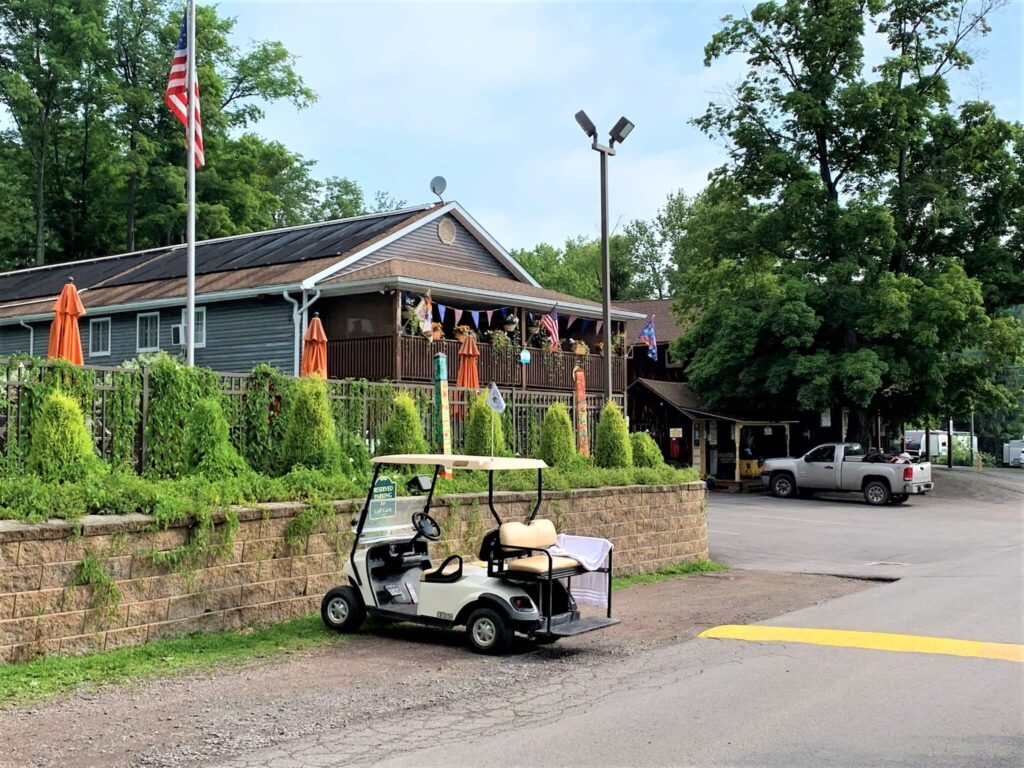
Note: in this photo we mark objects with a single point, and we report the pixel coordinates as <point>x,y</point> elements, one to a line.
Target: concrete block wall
<point>263,579</point>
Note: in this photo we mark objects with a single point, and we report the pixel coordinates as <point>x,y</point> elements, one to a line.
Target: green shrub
<point>263,429</point>
<point>61,447</point>
<point>645,451</point>
<point>309,438</point>
<point>484,430</point>
<point>208,448</point>
<point>355,457</point>
<point>403,431</point>
<point>174,389</point>
<point>557,440</point>
<point>612,447</point>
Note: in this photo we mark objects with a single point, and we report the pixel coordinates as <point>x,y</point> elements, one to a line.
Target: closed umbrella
<point>469,373</point>
<point>65,341</point>
<point>314,350</point>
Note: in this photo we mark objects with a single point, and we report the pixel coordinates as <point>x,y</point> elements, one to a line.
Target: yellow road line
<point>876,641</point>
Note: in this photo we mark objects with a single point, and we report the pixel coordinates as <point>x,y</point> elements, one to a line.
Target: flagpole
<point>190,290</point>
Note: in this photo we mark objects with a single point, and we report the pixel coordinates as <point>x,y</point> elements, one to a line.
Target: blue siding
<point>239,335</point>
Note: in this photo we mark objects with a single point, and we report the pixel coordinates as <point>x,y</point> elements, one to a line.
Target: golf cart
<point>516,585</point>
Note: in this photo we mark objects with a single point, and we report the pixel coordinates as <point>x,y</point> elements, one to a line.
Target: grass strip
<point>47,677</point>
<point>685,568</point>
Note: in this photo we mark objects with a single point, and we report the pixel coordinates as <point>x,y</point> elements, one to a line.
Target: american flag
<point>550,324</point>
<point>176,95</point>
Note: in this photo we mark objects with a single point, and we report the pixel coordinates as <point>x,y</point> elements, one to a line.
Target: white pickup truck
<point>839,467</point>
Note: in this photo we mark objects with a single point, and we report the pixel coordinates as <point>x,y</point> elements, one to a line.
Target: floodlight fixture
<point>620,130</point>
<point>586,124</point>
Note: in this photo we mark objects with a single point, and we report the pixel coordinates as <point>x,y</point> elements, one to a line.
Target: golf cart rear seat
<point>518,540</point>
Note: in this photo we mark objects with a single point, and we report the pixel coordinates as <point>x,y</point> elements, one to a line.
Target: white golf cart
<point>516,585</point>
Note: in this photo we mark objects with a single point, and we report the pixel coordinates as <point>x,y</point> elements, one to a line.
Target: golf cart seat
<point>519,538</point>
<point>447,572</point>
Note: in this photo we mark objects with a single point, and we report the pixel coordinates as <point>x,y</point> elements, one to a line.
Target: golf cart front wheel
<point>342,609</point>
<point>488,632</point>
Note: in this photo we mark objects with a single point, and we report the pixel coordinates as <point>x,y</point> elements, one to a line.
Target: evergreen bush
<point>403,431</point>
<point>645,451</point>
<point>480,421</point>
<point>208,447</point>
<point>310,439</point>
<point>611,446</point>
<point>174,389</point>
<point>557,441</point>
<point>61,448</point>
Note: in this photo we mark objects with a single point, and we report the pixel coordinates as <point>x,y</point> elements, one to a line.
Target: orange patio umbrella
<point>469,374</point>
<point>65,341</point>
<point>314,350</point>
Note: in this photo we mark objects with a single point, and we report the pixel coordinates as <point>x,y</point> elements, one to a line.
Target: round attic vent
<point>446,231</point>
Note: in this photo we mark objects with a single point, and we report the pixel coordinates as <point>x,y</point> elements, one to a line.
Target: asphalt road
<point>958,557</point>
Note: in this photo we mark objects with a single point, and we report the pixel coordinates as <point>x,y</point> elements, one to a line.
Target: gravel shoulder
<point>376,675</point>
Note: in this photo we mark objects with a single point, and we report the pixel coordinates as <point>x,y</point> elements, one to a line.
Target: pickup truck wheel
<point>876,493</point>
<point>898,498</point>
<point>783,486</point>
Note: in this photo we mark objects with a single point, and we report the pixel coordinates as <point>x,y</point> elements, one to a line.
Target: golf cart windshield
<point>388,517</point>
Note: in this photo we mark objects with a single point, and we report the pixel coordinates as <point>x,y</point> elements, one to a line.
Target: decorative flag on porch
<point>476,317</point>
<point>424,314</point>
<point>176,96</point>
<point>648,337</point>
<point>494,399</point>
<point>549,323</point>
<point>442,413</point>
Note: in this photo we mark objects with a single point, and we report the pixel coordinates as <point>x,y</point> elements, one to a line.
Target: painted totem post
<point>582,432</point>
<point>442,416</point>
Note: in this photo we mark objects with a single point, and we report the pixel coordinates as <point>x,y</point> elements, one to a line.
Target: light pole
<point>618,134</point>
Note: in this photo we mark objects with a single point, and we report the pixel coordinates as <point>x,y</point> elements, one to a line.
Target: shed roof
<point>679,395</point>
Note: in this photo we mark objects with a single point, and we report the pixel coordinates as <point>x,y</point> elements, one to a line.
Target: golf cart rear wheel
<point>488,632</point>
<point>342,609</point>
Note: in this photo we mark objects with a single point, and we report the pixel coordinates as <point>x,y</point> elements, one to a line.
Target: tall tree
<point>842,255</point>
<point>44,46</point>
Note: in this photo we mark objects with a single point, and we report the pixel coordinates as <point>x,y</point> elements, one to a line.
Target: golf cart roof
<point>452,461</point>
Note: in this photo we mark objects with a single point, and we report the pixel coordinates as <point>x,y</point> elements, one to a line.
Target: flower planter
<point>436,335</point>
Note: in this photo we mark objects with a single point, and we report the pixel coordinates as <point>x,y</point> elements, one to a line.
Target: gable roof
<point>291,258</point>
<point>449,281</point>
<point>223,254</point>
<point>666,327</point>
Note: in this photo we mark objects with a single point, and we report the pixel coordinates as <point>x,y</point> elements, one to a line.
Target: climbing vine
<point>124,412</point>
<point>105,595</point>
<point>173,390</point>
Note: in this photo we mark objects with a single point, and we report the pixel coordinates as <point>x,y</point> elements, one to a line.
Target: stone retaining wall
<point>263,579</point>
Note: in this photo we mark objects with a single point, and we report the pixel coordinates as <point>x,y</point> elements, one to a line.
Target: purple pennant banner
<point>458,315</point>
<point>568,323</point>
<point>600,324</point>
<point>490,314</point>
<point>440,312</point>
<point>475,313</point>
<point>584,324</point>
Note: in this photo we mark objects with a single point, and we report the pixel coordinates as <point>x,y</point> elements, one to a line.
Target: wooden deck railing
<point>374,359</point>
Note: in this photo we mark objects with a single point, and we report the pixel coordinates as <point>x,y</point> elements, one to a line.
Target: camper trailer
<point>938,442</point>
<point>1013,453</point>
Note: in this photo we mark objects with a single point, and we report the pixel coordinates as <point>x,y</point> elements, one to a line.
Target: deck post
<point>397,366</point>
<point>737,430</point>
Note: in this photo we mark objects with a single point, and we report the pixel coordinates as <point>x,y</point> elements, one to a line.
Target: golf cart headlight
<point>523,604</point>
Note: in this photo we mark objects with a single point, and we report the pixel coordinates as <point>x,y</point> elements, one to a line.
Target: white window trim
<point>138,323</point>
<point>199,311</point>
<point>92,324</point>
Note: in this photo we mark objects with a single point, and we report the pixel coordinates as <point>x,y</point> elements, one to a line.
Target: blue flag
<point>648,337</point>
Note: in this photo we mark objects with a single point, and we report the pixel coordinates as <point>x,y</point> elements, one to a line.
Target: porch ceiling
<point>466,284</point>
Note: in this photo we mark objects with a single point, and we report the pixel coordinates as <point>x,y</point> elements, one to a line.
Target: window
<point>99,337</point>
<point>824,453</point>
<point>200,338</point>
<point>147,332</point>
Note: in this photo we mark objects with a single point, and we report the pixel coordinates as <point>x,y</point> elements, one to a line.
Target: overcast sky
<point>484,94</point>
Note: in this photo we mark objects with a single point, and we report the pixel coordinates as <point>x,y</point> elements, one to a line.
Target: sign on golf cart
<point>522,582</point>
<point>387,516</point>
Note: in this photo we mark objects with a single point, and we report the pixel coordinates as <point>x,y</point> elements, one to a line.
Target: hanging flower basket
<point>580,348</point>
<point>510,324</point>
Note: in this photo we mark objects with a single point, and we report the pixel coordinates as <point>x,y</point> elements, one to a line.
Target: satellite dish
<point>438,186</point>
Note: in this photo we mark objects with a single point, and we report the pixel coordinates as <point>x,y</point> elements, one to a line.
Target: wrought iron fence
<point>116,403</point>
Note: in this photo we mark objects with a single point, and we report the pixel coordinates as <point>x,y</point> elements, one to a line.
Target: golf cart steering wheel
<point>426,526</point>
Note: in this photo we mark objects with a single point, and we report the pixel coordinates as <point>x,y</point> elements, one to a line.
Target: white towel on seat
<point>592,553</point>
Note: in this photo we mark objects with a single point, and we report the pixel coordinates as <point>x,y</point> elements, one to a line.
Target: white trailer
<point>1013,453</point>
<point>938,442</point>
